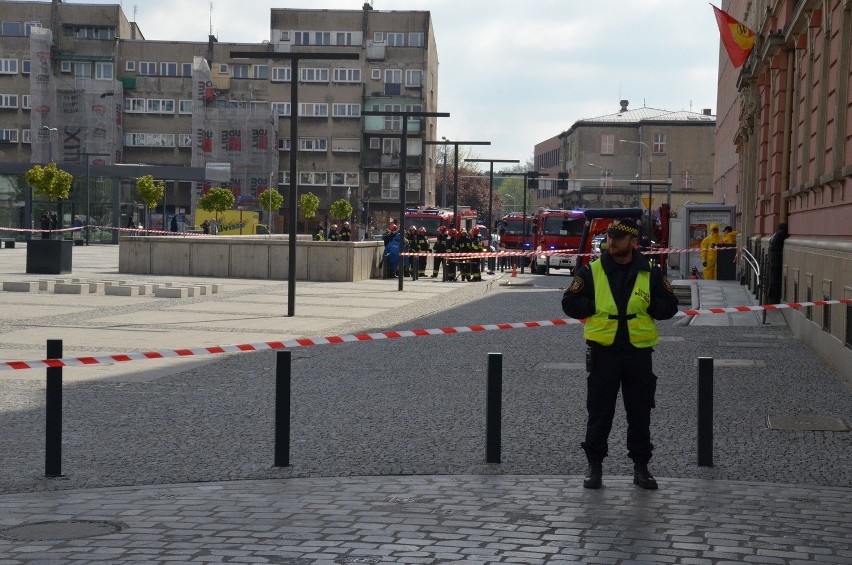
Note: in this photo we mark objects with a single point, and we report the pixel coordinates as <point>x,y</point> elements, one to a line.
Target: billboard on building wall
<point>234,133</point>
<point>73,118</point>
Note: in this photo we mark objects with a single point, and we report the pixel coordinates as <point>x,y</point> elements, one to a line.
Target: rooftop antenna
<point>211,18</point>
<point>135,8</point>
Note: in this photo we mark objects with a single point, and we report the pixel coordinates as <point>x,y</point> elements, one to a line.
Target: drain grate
<point>808,423</point>
<point>64,530</point>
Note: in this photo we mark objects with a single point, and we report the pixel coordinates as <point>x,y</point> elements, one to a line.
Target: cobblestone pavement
<point>387,455</point>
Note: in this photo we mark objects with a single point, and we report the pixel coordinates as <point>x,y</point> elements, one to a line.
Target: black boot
<point>593,476</point>
<point>642,477</point>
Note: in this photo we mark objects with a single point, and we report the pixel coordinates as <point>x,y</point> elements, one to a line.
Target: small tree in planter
<point>50,182</point>
<point>308,206</point>
<point>150,192</point>
<point>341,210</point>
<point>47,256</point>
<point>217,200</point>
<point>270,199</point>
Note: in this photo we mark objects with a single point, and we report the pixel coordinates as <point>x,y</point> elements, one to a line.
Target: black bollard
<point>705,411</point>
<point>53,413</point>
<point>494,403</point>
<point>282,408</point>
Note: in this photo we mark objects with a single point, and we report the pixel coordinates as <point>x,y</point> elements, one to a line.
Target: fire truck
<point>429,218</point>
<point>512,236</point>
<point>554,230</point>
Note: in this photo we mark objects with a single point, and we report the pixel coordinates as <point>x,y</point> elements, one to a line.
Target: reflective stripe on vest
<point>602,325</point>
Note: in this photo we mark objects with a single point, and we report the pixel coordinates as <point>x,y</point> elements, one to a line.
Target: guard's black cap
<point>623,226</point>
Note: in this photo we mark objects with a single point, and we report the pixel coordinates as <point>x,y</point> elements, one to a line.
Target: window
<point>313,75</point>
<point>322,38</point>
<point>390,186</point>
<point>375,143</point>
<point>346,110</point>
<point>25,102</point>
<point>83,70</point>
<point>393,76</point>
<point>313,144</point>
<point>147,68</point>
<point>186,69</point>
<point>281,74</point>
<point>103,71</point>
<point>9,66</point>
<point>344,179</point>
<point>314,178</point>
<point>415,39</point>
<point>415,182</point>
<point>396,39</point>
<point>347,75</point>
<point>378,37</point>
<point>160,106</point>
<point>184,106</point>
<point>607,143</point>
<point>13,29</point>
<point>687,180</point>
<point>391,146</point>
<point>285,35</point>
<point>284,144</point>
<point>316,110</point>
<point>281,108</point>
<point>344,38</point>
<point>9,135</point>
<point>223,68</point>
<point>65,66</point>
<point>376,74</point>
<point>413,78</point>
<point>260,71</point>
<point>9,101</point>
<point>26,136</point>
<point>168,69</point>
<point>134,105</point>
<point>239,71</point>
<point>303,38</point>
<point>393,123</point>
<point>659,143</point>
<point>284,177</point>
<point>346,144</point>
<point>373,178</point>
<point>185,140</point>
<point>28,27</point>
<point>106,33</point>
<point>130,66</point>
<point>25,66</point>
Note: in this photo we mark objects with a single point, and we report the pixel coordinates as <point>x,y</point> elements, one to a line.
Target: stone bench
<point>8,243</point>
<point>20,286</point>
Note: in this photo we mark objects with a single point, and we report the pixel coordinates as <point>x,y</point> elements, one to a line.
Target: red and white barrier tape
<point>571,252</point>
<point>306,342</point>
<point>81,228</point>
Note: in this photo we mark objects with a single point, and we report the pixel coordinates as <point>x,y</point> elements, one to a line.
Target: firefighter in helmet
<point>422,243</point>
<point>345,232</point>
<point>450,264</point>
<point>333,234</point>
<point>476,263</point>
<point>389,233</point>
<point>464,245</point>
<point>440,247</point>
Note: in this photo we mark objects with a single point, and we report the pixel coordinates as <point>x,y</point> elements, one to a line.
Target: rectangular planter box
<point>49,256</point>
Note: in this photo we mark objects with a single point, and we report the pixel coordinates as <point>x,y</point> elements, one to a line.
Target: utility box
<point>696,226</point>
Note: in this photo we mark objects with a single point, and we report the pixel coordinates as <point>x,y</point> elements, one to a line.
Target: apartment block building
<point>81,85</point>
<point>606,157</point>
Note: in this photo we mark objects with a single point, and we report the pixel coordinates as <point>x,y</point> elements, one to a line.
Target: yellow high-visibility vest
<point>602,325</point>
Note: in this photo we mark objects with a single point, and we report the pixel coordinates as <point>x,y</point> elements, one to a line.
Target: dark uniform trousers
<point>629,368</point>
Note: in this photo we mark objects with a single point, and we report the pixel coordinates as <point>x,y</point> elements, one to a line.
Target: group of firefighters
<point>448,241</point>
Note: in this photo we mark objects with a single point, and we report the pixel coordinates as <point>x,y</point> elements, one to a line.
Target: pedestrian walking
<point>620,295</point>
<point>77,224</point>
<point>174,224</point>
<point>776,264</point>
<point>205,227</point>
<point>44,223</point>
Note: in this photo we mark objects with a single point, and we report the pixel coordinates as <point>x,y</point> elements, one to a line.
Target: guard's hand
<point>704,264</point>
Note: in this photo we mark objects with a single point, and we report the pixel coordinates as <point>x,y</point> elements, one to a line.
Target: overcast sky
<point>513,72</point>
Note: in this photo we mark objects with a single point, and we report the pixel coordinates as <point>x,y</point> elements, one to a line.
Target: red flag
<point>737,38</point>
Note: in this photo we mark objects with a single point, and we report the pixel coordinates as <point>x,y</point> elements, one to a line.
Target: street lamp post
<point>491,191</point>
<point>444,188</point>
<point>456,144</point>
<point>650,181</point>
<point>606,179</point>
<point>403,158</point>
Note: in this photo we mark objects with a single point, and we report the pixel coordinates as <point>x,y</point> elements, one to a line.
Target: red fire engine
<point>511,232</point>
<point>554,230</point>
<point>429,218</point>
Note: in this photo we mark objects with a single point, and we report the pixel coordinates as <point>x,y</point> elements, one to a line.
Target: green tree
<point>340,210</point>
<point>308,206</point>
<point>151,193</point>
<point>49,181</point>
<point>270,199</point>
<point>217,200</point>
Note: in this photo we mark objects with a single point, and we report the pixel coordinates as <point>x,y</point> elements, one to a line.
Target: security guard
<point>440,247</point>
<point>620,295</point>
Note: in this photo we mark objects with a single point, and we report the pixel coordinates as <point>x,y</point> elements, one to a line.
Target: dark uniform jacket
<point>442,243</point>
<point>579,300</point>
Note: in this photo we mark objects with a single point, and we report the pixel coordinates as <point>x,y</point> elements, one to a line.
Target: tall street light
<point>606,174</point>
<point>292,201</point>
<point>491,191</point>
<point>456,144</point>
<point>403,158</point>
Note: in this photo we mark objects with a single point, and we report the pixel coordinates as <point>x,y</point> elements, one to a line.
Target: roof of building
<point>645,114</point>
